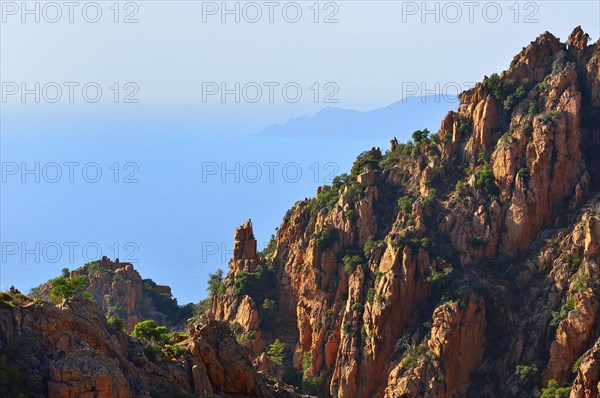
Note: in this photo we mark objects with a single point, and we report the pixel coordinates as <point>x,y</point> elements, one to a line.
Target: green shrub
<point>405,203</point>
<point>555,391</point>
<point>216,287</point>
<point>151,352</point>
<point>350,215</point>
<point>150,330</point>
<point>115,311</point>
<point>410,360</point>
<point>430,197</point>
<point>327,317</point>
<point>269,250</point>
<point>464,124</point>
<point>483,157</point>
<point>551,117</point>
<point>507,91</point>
<point>485,178</point>
<point>65,287</point>
<point>354,193</point>
<point>351,262</point>
<point>93,268</point>
<point>528,374</point>
<point>581,283</point>
<point>364,161</point>
<point>420,136</point>
<point>326,199</point>
<point>558,316</point>
<point>493,85</point>
<point>517,95</point>
<point>358,307</point>
<point>166,304</point>
<point>306,360</point>
<point>325,238</point>
<point>115,324</point>
<point>370,244</point>
<point>437,276</point>
<point>577,364</point>
<point>161,342</point>
<point>256,284</point>
<point>200,308</point>
<point>574,263</point>
<point>247,283</point>
<point>172,351</point>
<point>371,295</point>
<point>275,352</point>
<point>532,107</point>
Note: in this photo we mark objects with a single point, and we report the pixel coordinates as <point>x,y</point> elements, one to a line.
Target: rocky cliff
<point>69,350</point>
<point>119,290</point>
<point>459,264</point>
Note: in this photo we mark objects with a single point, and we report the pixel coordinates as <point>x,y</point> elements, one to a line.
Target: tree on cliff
<point>150,330</point>
<point>215,284</point>
<point>65,287</point>
<point>276,352</point>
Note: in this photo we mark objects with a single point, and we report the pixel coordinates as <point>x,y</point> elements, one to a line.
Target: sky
<point>164,99</point>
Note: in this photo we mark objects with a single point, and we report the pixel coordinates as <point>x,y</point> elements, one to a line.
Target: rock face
<point>458,336</point>
<point>77,355</point>
<point>120,291</point>
<point>464,264</point>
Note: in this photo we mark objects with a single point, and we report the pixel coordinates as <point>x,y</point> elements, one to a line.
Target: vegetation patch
<point>216,287</point>
<point>165,303</point>
<point>558,316</point>
<point>325,238</point>
<point>161,342</point>
<point>439,276</point>
<point>275,352</point>
<point>411,358</point>
<point>554,390</point>
<point>65,287</point>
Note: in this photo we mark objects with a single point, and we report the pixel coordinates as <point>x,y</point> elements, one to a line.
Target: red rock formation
<point>84,358</point>
<point>449,274</point>
<point>118,288</point>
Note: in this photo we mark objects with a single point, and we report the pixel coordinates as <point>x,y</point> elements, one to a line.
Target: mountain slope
<point>70,350</point>
<point>337,123</point>
<point>462,264</point>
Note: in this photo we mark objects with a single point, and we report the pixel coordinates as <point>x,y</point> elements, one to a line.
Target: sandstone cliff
<point>461,264</point>
<point>69,350</point>
<point>120,291</point>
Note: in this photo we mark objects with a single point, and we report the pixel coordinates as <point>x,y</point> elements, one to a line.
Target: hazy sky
<point>370,50</point>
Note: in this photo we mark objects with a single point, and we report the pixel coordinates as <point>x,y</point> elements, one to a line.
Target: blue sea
<point>162,189</point>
